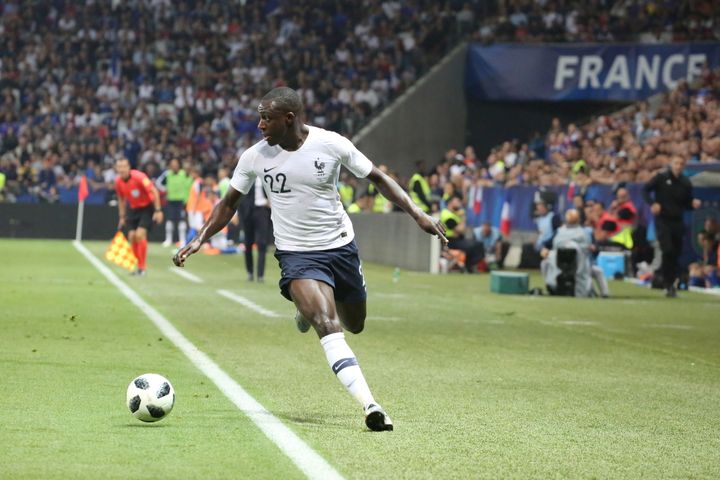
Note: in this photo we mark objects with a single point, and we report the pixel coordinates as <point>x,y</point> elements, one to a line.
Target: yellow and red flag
<point>120,253</point>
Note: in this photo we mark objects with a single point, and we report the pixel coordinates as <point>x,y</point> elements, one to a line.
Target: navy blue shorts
<point>175,211</point>
<point>339,267</point>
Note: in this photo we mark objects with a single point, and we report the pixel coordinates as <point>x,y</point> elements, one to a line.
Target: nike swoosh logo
<point>268,169</point>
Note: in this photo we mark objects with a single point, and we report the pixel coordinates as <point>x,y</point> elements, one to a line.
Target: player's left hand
<point>158,217</point>
<point>696,203</point>
<point>182,254</point>
<point>432,226</point>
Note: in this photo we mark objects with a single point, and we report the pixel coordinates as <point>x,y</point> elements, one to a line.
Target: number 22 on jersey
<point>278,181</point>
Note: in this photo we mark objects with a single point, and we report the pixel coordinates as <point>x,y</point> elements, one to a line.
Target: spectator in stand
<point>492,242</point>
<point>123,74</point>
<point>419,188</point>
<point>704,272</point>
<point>364,203</point>
<point>547,222</point>
<point>454,221</point>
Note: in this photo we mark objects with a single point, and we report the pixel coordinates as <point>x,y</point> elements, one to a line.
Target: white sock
<point>182,232</point>
<point>168,231</point>
<point>343,363</point>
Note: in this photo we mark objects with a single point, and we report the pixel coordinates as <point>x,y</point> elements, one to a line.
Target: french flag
<point>475,199</point>
<point>571,192</point>
<point>505,219</point>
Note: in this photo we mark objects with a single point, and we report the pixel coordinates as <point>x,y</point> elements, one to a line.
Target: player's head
<point>174,165</point>
<point>677,164</point>
<point>122,168</point>
<point>280,111</point>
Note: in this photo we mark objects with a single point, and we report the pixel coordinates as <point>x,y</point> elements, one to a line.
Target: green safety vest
<point>347,194</point>
<point>425,188</point>
<point>380,205</point>
<point>178,186</point>
<point>2,181</point>
<point>446,215</point>
<point>354,208</point>
<point>223,186</point>
<point>624,238</point>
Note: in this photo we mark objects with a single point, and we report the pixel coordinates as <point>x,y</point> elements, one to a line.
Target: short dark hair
<point>285,99</point>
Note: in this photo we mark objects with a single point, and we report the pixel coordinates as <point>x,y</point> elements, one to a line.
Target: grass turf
<point>479,385</point>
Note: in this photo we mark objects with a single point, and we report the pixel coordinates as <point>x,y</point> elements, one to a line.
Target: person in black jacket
<point>672,195</point>
<point>255,214</point>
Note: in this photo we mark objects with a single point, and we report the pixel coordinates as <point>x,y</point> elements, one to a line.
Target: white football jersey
<point>307,213</point>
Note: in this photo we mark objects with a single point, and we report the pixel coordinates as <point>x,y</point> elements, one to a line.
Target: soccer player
<point>134,189</point>
<point>321,272</point>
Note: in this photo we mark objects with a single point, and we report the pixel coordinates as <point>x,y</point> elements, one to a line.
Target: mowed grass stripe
<point>306,459</point>
<point>68,348</point>
<point>478,384</point>
<point>248,303</point>
<point>186,275</point>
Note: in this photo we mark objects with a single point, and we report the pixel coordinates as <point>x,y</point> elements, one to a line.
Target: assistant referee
<point>669,194</point>
<point>138,207</point>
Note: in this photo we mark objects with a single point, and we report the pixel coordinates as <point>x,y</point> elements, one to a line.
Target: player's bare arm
<point>393,192</point>
<point>220,216</point>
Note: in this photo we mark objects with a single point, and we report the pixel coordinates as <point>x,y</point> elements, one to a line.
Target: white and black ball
<point>150,397</point>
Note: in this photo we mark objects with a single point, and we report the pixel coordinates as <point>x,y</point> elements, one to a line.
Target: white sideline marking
<point>670,326</point>
<point>707,291</point>
<point>185,274</point>
<point>248,303</point>
<point>586,323</point>
<point>384,319</point>
<point>304,457</point>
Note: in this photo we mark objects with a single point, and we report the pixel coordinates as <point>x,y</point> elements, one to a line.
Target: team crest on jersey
<point>320,168</point>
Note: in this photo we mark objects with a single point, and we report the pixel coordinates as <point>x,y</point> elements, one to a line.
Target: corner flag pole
<point>82,195</point>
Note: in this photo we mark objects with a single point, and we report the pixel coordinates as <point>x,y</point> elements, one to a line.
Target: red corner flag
<point>83,189</point>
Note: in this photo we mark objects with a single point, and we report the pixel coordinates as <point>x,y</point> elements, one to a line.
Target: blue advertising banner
<point>627,72</point>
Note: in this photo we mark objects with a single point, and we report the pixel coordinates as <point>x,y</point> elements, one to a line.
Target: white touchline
<point>248,303</point>
<point>186,275</point>
<point>306,459</point>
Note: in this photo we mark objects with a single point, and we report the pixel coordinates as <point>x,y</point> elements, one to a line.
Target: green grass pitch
<point>478,385</point>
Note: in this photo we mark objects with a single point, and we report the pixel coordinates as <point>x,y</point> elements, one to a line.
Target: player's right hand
<point>121,223</point>
<point>182,254</point>
<point>655,209</point>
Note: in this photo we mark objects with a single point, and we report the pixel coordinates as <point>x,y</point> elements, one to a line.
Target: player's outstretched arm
<point>220,216</point>
<point>393,192</point>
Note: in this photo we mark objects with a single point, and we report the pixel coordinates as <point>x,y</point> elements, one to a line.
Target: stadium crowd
<point>84,82</point>
<point>631,145</point>
<point>646,21</point>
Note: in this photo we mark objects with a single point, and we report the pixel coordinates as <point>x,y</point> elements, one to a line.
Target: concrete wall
<point>424,122</point>
<point>395,240</point>
<point>392,239</point>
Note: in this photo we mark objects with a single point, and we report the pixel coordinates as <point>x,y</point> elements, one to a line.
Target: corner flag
<point>120,253</point>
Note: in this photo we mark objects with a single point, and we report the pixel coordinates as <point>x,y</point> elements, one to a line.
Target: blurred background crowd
<point>84,82</point>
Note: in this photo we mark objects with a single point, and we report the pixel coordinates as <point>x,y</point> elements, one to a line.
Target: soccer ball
<point>150,397</point>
